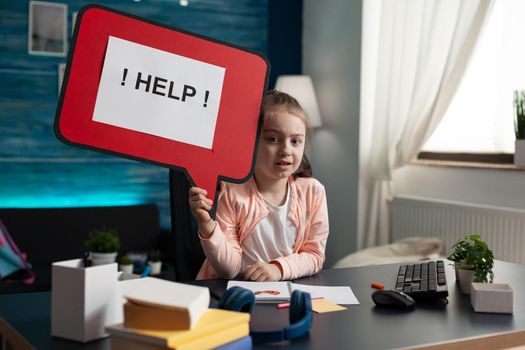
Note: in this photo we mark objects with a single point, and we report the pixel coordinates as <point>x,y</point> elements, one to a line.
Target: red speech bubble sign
<point>150,92</point>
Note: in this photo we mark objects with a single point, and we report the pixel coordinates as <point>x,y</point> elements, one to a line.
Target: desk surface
<point>360,327</point>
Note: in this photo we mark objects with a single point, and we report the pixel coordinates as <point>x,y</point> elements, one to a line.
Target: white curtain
<point>414,55</point>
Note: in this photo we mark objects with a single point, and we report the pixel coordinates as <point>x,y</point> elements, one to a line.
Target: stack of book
<point>160,314</point>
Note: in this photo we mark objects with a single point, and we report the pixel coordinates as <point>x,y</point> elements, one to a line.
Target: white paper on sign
<point>159,93</point>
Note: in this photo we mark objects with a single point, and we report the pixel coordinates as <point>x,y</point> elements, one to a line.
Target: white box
<point>491,297</point>
<point>83,300</point>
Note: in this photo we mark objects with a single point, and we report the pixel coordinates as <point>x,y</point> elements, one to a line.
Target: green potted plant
<point>473,262</point>
<point>519,127</point>
<point>154,262</point>
<point>125,264</point>
<point>103,245</point>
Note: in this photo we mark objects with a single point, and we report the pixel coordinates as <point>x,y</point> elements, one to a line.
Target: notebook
<point>276,292</point>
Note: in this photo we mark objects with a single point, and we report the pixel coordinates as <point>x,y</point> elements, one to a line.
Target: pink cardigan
<point>239,210</point>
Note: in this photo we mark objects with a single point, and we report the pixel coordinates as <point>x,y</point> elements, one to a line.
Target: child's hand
<point>199,206</point>
<point>261,272</point>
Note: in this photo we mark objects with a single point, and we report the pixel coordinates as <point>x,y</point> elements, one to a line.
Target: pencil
<point>286,305</point>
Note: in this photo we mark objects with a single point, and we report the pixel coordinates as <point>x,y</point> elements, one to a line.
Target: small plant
<point>154,255</point>
<point>519,117</point>
<point>102,241</point>
<point>471,253</point>
<point>125,260</point>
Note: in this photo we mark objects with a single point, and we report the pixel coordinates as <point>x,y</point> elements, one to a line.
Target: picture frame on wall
<point>47,28</point>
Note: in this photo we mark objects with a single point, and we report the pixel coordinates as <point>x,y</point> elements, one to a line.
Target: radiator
<point>502,228</point>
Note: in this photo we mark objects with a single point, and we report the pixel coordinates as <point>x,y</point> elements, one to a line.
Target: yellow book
<point>214,324</point>
<point>209,341</point>
<point>185,301</point>
<point>148,317</point>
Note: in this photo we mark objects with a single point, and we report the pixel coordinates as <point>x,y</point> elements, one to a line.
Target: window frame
<point>489,158</point>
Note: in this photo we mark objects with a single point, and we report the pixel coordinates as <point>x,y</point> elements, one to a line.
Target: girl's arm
<point>200,205</point>
<point>311,255</point>
<point>219,238</point>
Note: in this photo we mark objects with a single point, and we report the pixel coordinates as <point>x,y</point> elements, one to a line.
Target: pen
<point>85,259</point>
<point>146,272</point>
<point>285,305</point>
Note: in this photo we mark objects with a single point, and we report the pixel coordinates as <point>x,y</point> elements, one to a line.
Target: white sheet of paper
<point>336,294</point>
<point>174,97</point>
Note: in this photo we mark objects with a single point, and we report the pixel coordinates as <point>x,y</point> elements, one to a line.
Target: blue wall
<point>36,170</point>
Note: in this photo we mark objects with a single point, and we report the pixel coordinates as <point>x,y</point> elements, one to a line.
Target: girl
<point>274,226</point>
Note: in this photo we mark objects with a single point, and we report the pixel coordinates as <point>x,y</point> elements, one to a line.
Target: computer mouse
<point>393,299</point>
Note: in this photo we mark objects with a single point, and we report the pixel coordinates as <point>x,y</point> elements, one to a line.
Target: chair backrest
<point>188,251</point>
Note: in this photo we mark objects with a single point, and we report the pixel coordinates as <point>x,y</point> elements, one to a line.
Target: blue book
<point>239,344</point>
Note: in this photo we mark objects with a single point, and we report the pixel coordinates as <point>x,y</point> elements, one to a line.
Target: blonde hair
<point>274,98</point>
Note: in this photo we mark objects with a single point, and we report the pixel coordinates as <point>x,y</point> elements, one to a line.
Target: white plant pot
<point>155,267</point>
<point>128,268</point>
<point>103,258</point>
<point>464,278</point>
<point>519,153</point>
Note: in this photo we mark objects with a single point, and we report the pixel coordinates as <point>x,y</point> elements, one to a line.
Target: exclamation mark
<point>124,77</point>
<point>206,95</point>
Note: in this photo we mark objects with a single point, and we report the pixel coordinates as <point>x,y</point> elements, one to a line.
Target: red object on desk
<point>286,305</point>
<point>377,285</point>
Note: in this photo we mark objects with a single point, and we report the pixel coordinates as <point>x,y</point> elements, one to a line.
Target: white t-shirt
<point>273,237</point>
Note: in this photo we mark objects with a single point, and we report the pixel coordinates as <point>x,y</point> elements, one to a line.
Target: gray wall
<point>331,56</point>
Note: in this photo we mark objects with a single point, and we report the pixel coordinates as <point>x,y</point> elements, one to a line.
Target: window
<point>480,118</point>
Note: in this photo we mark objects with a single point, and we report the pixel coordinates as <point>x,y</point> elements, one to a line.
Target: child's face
<point>281,145</point>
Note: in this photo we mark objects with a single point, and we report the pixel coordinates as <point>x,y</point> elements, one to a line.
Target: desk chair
<point>188,251</point>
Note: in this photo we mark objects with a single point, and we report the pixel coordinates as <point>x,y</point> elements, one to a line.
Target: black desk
<point>360,327</point>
